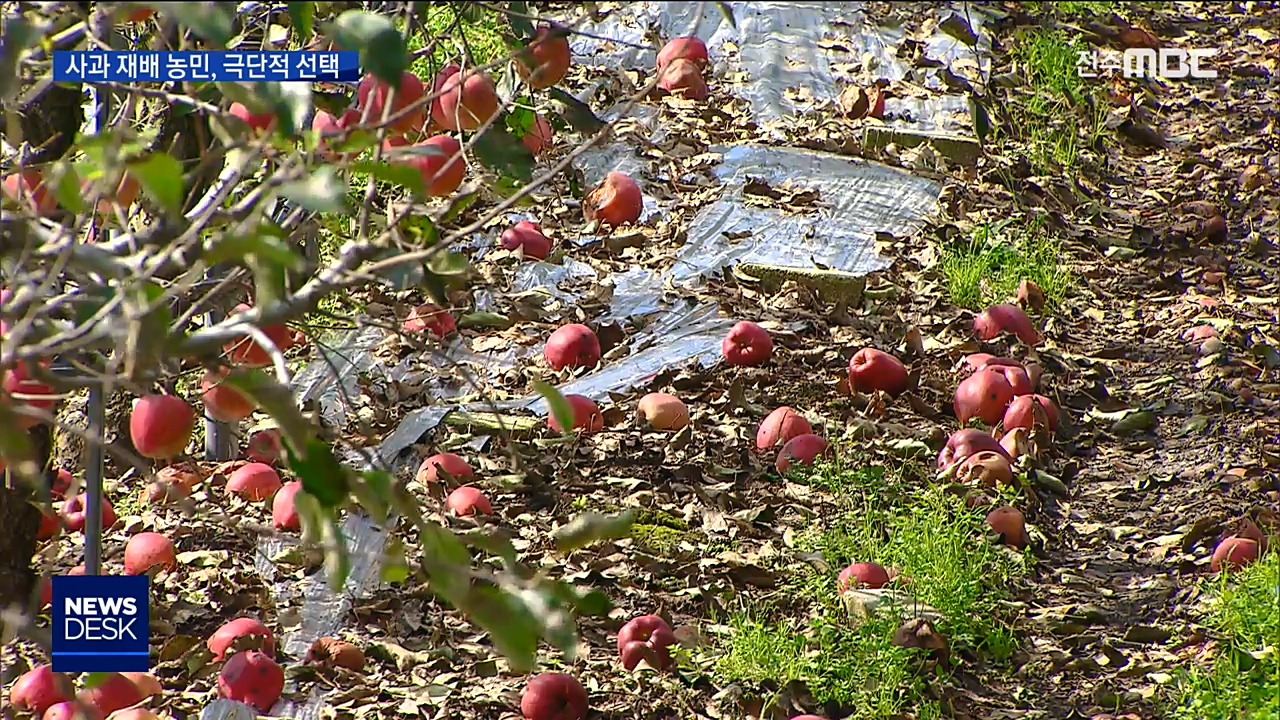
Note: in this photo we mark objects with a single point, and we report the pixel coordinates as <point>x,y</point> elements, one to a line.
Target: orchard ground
<point>1109,613</point>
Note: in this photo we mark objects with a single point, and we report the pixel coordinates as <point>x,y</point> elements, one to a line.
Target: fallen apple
<point>663,412</point>
<point>374,95</point>
<point>964,443</point>
<point>747,344</point>
<point>1022,413</point>
<point>779,427</point>
<point>554,696</point>
<point>284,510</point>
<point>616,201</point>
<point>1234,553</point>
<point>39,689</point>
<point>1030,295</point>
<point>243,633</point>
<point>334,652</point>
<point>454,465</point>
<point>646,629</point>
<point>113,692</point>
<point>265,446</point>
<point>148,550</point>
<point>872,370</point>
<point>987,468</point>
<point>586,415</point>
<point>160,426</point>
<point>430,318</point>
<point>683,48</point>
<point>148,685</point>
<point>1016,443</point>
<point>997,319</point>
<point>984,395</point>
<point>1008,523</point>
<point>68,710</point>
<point>545,60</point>
<point>684,78</point>
<point>572,346</point>
<point>466,500</point>
<point>75,513</point>
<point>254,482</point>
<point>527,237</point>
<point>252,678</point>
<point>864,574</point>
<point>802,450</point>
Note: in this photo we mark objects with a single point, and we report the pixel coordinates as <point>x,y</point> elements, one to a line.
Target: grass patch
<point>1079,10</point>
<point>458,27</point>
<point>1053,121</point>
<point>847,662</point>
<point>1244,679</point>
<point>988,267</point>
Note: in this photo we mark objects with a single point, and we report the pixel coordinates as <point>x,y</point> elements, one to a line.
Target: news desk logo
<point>100,624</point>
<point>1165,63</point>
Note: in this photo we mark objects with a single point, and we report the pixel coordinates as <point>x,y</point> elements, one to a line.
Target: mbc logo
<point>1168,63</point>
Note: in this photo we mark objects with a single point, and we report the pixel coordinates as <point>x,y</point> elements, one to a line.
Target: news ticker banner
<point>144,66</point>
<point>101,623</point>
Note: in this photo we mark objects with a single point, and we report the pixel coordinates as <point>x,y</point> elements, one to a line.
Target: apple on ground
<point>648,639</point>
<point>983,395</point>
<point>586,415</point>
<point>1010,525</point>
<point>800,450</point>
<point>1023,413</point>
<point>987,468</point>
<point>997,319</point>
<point>616,201</point>
<point>242,633</point>
<point>663,412</point>
<point>1234,553</point>
<point>872,370</point>
<point>528,238</point>
<point>779,427</point>
<point>39,689</point>
<point>450,463</point>
<point>963,443</point>
<point>266,446</point>
<point>284,511</point>
<point>572,346</point>
<point>253,678</point>
<point>684,78</point>
<point>864,574</point>
<point>554,696</point>
<point>747,344</point>
<point>466,500</point>
<point>75,513</point>
<point>429,317</point>
<point>683,48</point>
<point>254,482</point>
<point>114,692</point>
<point>148,550</point>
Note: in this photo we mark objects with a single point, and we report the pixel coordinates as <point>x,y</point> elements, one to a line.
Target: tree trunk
<point>20,524</point>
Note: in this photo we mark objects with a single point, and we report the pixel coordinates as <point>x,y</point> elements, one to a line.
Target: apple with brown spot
<point>747,345</point>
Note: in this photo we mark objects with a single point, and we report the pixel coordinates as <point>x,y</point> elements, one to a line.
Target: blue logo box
<point>101,624</point>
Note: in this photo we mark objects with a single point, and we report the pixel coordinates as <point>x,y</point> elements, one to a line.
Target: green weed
<point>988,267</point>
<point>1244,679</point>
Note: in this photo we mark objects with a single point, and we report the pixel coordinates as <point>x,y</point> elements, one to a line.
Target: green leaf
<point>310,517</point>
<point>211,21</point>
<point>401,175</point>
<point>320,472</point>
<point>277,401</point>
<point>727,11</point>
<point>492,543</point>
<point>402,276</point>
<point>447,560</point>
<point>560,408</point>
<point>593,603</point>
<point>268,245</point>
<point>1135,422</point>
<point>376,493</point>
<point>515,630</point>
<point>449,264</point>
<point>486,320</point>
<point>592,527</point>
<point>66,188</point>
<point>161,179</point>
<point>574,112</point>
<point>394,569</point>
<point>382,48</point>
<point>290,102</point>
<point>337,561</point>
<point>524,30</point>
<point>324,191</point>
<point>302,14</point>
<point>498,150</point>
<point>520,120</point>
<point>95,679</point>
<point>90,301</point>
<point>981,119</point>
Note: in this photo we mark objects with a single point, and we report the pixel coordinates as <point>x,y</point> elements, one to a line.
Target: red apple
<point>545,60</point>
<point>147,550</point>
<point>527,237</point>
<point>75,513</point>
<point>224,402</point>
<point>964,443</point>
<point>284,511</point>
<point>24,389</point>
<point>467,500</point>
<point>554,696</point>
<point>802,449</point>
<point>586,415</point>
<point>257,122</point>
<point>683,48</point>
<point>439,160</point>
<point>644,628</point>
<point>61,484</point>
<point>646,638</point>
<point>27,188</point>
<point>254,482</point>
<point>616,201</point>
<point>467,100</point>
<point>572,346</point>
<point>1022,413</point>
<point>265,446</point>
<point>863,574</point>
<point>450,463</point>
<point>241,634</point>
<point>1234,553</point>
<point>779,427</point>
<point>429,317</point>
<point>115,692</point>
<point>663,412</point>
<point>70,711</point>
<point>540,136</point>
<point>160,426</point>
<point>248,353</point>
<point>252,678</point>
<point>684,78</point>
<point>1010,525</point>
<point>984,395</point>
<point>38,689</point>
<point>871,370</point>
<point>1006,318</point>
<point>374,94</point>
<point>747,344</point>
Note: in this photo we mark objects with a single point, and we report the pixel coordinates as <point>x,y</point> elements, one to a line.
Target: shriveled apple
<point>663,412</point>
<point>984,395</point>
<point>429,317</point>
<point>615,201</point>
<point>986,468</point>
<point>586,415</point>
<point>335,652</point>
<point>997,319</point>
<point>779,427</point>
<point>800,450</point>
